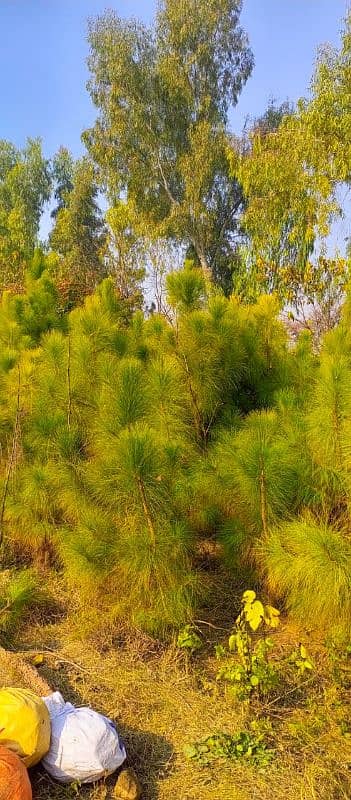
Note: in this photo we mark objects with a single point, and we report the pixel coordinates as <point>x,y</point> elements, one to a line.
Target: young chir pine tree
<point>208,348</point>
<point>308,562</point>
<point>38,309</point>
<point>24,319</point>
<point>18,591</point>
<point>106,442</point>
<point>47,438</point>
<point>308,559</point>
<point>256,478</point>
<point>48,496</point>
<point>237,359</point>
<point>137,459</point>
<point>329,423</point>
<point>16,370</point>
<point>173,398</point>
<point>114,462</point>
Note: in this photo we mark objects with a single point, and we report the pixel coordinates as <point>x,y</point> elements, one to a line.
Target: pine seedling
<point>266,354</point>
<point>18,591</point>
<point>152,575</point>
<point>211,358</point>
<point>309,564</point>
<point>258,473</point>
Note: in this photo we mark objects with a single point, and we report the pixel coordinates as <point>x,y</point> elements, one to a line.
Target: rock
<point>127,786</point>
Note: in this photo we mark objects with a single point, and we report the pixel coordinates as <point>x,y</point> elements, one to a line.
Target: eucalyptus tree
<point>25,187</point>
<point>163,96</point>
<point>291,176</point>
<point>62,174</point>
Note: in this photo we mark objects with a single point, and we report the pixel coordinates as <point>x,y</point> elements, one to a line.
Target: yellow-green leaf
<point>271,616</point>
<point>249,596</point>
<point>38,659</point>
<point>255,614</point>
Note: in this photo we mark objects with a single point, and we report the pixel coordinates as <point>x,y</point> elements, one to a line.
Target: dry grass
<point>15,671</point>
<point>160,703</point>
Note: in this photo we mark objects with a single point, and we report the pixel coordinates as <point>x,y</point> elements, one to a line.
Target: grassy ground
<point>161,702</point>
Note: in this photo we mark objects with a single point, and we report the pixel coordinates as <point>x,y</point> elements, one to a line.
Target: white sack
<point>84,745</point>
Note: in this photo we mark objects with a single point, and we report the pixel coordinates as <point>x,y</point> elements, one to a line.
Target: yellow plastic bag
<point>24,724</point>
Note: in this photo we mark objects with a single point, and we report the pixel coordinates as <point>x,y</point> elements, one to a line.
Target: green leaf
<point>38,659</point>
<point>190,751</point>
<point>220,651</point>
<point>188,639</point>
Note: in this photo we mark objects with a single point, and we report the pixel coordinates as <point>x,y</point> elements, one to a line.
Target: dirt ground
<point>161,702</point>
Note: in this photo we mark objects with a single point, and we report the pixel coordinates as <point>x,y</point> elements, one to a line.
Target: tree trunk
<point>263,502</point>
<point>147,513</point>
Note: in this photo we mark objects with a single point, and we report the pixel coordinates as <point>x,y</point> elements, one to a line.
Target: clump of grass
<point>18,593</point>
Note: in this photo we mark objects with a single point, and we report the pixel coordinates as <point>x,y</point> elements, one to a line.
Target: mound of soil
<point>14,671</point>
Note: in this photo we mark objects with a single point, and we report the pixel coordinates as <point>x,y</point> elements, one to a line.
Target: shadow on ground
<point>150,754</point>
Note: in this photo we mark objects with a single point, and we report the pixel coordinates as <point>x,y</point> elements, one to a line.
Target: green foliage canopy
<point>163,96</point>
<point>25,186</point>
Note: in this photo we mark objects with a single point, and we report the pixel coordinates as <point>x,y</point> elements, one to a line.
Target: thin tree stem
<point>69,392</point>
<point>147,513</point>
<point>201,431</point>
<point>263,501</point>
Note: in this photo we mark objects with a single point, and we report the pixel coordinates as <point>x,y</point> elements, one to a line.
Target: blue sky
<point>43,51</point>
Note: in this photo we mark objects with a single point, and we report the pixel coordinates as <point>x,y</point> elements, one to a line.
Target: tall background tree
<point>25,187</point>
<point>292,177</point>
<point>163,96</point>
<point>79,232</point>
<point>62,174</point>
